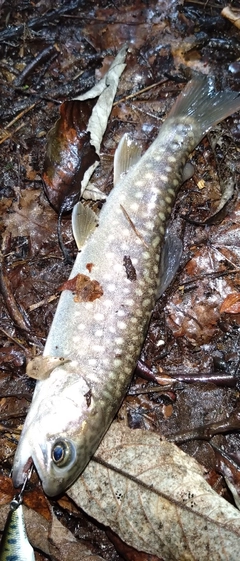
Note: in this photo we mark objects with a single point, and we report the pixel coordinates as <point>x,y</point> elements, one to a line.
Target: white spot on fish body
<point>99,317</point>
<point>99,333</point>
<point>171,159</point>
<point>92,362</point>
<point>146,302</point>
<point>81,326</point>
<point>121,313</point>
<point>129,302</point>
<point>133,320</point>
<point>138,194</point>
<point>168,199</point>
<point>175,182</point>
<point>117,362</point>
<point>117,267</point>
<point>119,340</point>
<point>146,255</point>
<point>168,169</point>
<point>163,178</point>
<point>107,303</point>
<point>126,232</point>
<point>107,276</point>
<point>111,287</point>
<point>151,205</point>
<point>121,325</point>
<point>149,175</point>
<point>98,348</point>
<point>126,290</point>
<point>155,241</point>
<point>112,329</point>
<point>162,216</point>
<point>148,225</point>
<point>134,207</point>
<point>171,192</point>
<point>139,183</point>
<point>105,361</point>
<point>139,292</point>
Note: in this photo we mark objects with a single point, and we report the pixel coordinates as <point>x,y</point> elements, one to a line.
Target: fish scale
<point>102,339</point>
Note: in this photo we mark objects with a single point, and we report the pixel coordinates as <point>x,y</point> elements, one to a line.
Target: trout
<point>103,313</point>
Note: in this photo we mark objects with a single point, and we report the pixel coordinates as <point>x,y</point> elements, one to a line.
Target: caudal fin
<point>200,101</point>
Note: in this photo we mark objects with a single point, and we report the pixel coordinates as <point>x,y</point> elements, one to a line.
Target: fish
<point>104,310</point>
<point>15,545</point>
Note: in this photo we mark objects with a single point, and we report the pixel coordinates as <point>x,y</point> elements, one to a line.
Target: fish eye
<point>62,453</point>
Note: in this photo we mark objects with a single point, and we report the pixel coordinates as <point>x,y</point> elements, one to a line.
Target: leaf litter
<point>192,334</point>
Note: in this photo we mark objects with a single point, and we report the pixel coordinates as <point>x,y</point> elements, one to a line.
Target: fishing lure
<point>14,544</point>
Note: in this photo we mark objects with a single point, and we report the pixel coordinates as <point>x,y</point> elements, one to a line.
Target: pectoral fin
<point>127,155</point>
<point>84,222</point>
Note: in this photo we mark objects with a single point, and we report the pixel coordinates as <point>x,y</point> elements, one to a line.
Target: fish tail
<point>200,102</point>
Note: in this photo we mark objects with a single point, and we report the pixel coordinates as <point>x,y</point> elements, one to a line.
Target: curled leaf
<point>69,154</point>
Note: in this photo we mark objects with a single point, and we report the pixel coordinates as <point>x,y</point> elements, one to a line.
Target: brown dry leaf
<point>231,304</point>
<point>233,15</point>
<point>159,502</point>
<point>86,290</point>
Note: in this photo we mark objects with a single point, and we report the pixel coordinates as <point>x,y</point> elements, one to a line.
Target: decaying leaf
<point>233,15</point>
<point>41,366</point>
<point>69,154</point>
<point>85,289</point>
<point>156,499</point>
<point>73,145</point>
<point>231,304</point>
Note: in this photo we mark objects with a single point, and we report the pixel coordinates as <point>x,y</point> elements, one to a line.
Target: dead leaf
<point>74,142</point>
<point>69,155</point>
<point>175,514</point>
<point>86,290</point>
<point>231,304</point>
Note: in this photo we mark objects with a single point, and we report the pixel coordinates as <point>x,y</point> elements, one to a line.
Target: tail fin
<point>199,100</point>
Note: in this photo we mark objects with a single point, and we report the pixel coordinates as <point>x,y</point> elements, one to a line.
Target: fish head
<point>54,438</point>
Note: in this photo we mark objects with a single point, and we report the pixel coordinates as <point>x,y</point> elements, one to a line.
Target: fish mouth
<point>21,473</point>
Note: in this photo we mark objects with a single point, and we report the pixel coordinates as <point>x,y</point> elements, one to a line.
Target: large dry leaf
<point>160,503</point>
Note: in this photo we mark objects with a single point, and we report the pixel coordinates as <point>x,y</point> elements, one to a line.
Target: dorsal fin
<point>84,221</point>
<point>127,155</point>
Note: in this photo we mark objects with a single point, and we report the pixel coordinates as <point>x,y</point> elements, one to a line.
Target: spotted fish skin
<point>15,545</point>
<point>102,339</point>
